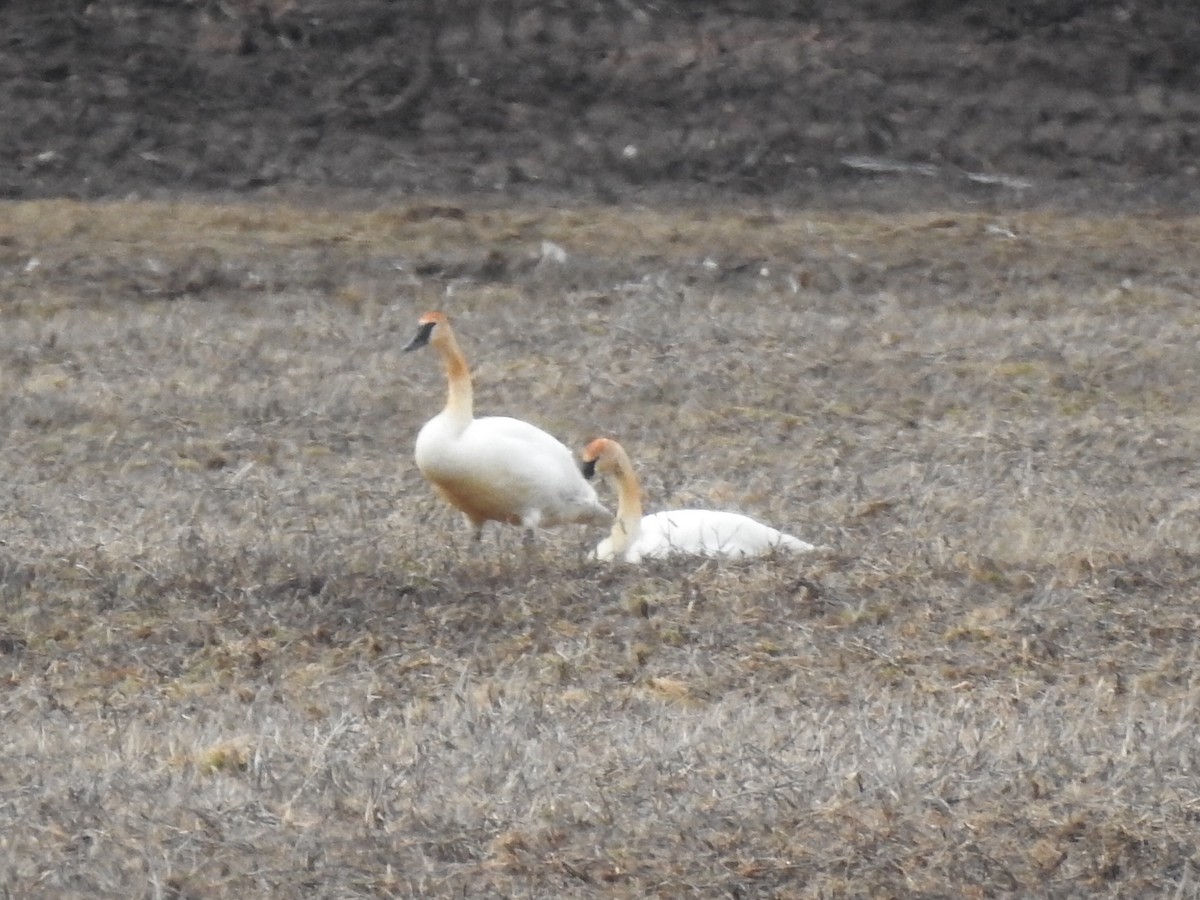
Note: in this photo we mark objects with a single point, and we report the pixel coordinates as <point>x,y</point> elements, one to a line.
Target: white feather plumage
<point>694,532</point>
<point>496,468</point>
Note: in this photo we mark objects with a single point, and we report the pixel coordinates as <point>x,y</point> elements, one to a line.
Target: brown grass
<point>245,652</point>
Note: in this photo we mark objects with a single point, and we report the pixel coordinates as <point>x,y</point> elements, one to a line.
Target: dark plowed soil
<point>892,103</point>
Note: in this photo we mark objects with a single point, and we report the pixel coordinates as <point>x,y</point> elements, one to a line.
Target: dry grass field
<point>245,652</point>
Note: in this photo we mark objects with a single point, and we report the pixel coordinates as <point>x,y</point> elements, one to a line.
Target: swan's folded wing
<point>523,468</point>
<point>703,532</point>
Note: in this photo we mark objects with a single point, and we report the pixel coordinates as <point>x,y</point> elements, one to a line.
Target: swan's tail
<point>794,544</point>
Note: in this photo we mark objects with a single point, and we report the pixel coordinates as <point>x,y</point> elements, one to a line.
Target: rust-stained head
<point>601,455</point>
<point>427,323</point>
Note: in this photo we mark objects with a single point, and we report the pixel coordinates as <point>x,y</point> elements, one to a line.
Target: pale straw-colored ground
<point>244,651</point>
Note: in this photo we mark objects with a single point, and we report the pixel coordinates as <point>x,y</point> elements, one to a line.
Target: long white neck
<point>460,402</point>
<point>629,504</point>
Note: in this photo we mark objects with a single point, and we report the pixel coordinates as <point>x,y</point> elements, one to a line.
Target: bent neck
<point>629,504</point>
<point>460,403</point>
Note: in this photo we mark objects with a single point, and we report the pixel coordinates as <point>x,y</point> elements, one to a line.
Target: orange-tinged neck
<point>459,397</point>
<point>629,502</point>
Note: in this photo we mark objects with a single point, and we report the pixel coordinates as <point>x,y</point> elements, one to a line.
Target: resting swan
<point>496,468</point>
<point>697,532</point>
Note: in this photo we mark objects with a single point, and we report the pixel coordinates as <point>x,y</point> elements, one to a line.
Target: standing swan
<point>496,468</point>
<point>697,532</point>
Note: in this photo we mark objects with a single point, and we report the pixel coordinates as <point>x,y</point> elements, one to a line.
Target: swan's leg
<point>529,524</point>
<point>476,534</point>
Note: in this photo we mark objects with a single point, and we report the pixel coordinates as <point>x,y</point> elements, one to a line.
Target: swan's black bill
<point>588,468</point>
<point>422,337</point>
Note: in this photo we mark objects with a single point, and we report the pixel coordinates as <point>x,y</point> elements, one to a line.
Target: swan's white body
<point>694,532</point>
<point>505,470</point>
<point>701,532</point>
<point>496,468</point>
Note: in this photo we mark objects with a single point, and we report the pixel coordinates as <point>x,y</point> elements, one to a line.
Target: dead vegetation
<point>245,652</point>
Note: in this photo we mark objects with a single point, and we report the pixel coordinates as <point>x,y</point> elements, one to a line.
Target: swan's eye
<point>588,468</point>
<point>422,337</point>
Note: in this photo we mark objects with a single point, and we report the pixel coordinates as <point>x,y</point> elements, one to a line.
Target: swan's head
<point>427,323</point>
<point>602,455</point>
